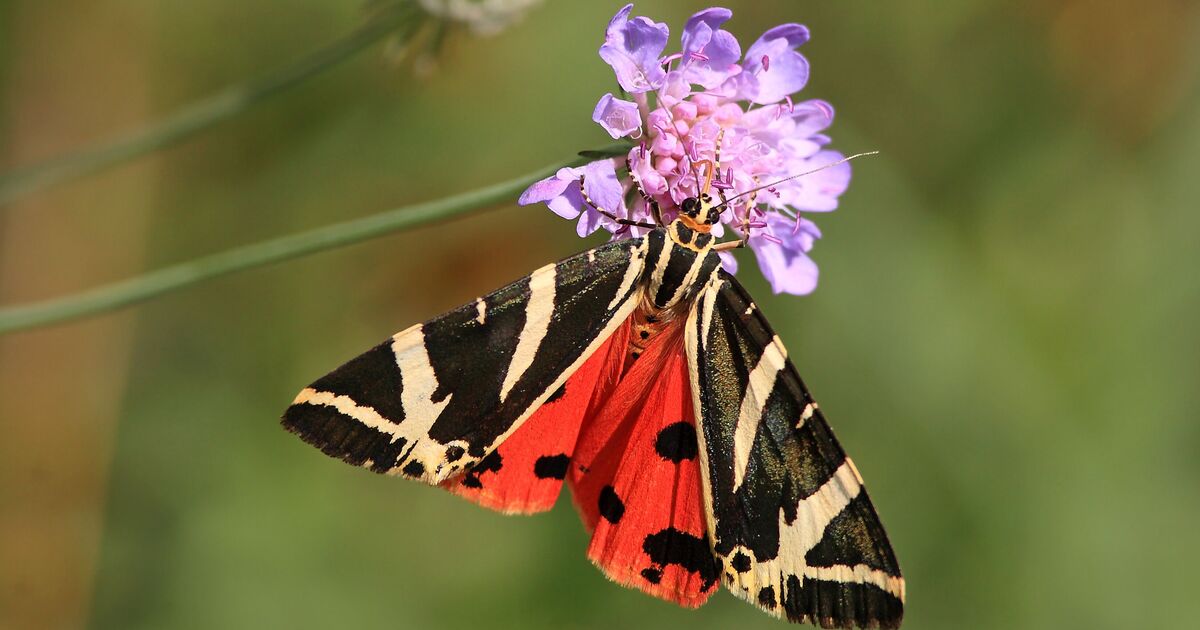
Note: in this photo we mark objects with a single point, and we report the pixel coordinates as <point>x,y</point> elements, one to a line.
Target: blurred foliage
<point>1004,338</point>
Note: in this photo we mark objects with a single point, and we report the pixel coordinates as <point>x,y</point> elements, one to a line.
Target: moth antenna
<point>791,177</point>
<point>717,149</point>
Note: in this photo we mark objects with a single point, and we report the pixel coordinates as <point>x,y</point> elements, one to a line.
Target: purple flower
<point>710,53</point>
<point>782,253</point>
<point>564,194</point>
<point>632,48</point>
<point>777,69</point>
<point>619,118</point>
<point>684,106</point>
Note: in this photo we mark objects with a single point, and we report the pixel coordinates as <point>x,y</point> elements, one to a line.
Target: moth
<point>643,376</point>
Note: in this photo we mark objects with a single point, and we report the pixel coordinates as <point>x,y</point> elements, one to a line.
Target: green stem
<point>179,276</point>
<point>400,18</point>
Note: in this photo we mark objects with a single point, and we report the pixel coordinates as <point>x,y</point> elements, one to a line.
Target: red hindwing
<point>636,481</point>
<point>626,440</point>
<point>525,473</point>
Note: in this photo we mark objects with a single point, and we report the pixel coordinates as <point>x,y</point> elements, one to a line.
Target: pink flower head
<point>709,103</point>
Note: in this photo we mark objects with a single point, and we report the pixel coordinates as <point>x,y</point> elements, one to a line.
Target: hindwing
<point>788,516</point>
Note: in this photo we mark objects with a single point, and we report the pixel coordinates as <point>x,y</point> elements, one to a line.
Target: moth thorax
<point>648,322</point>
<point>693,225</point>
<point>685,234</point>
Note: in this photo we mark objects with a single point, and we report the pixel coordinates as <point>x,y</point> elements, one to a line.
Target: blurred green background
<point>1005,336</point>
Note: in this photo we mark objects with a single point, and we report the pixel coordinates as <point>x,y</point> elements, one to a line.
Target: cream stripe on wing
<point>633,271</point>
<point>417,380</point>
<point>808,412</point>
<point>707,300</point>
<point>347,407</point>
<point>816,511</point>
<point>858,574</point>
<point>480,311</point>
<point>418,383</point>
<point>761,382</point>
<point>695,337</point>
<point>813,515</point>
<point>660,266</point>
<point>537,321</point>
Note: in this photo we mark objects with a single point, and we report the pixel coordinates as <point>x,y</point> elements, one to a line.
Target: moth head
<point>699,213</point>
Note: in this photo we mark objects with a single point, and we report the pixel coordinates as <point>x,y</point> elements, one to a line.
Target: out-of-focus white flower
<point>484,17</point>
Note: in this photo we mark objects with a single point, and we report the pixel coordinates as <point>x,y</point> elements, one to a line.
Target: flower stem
<point>400,18</point>
<point>186,274</point>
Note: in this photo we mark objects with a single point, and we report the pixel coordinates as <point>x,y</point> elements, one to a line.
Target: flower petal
<point>785,71</point>
<point>819,191</point>
<point>560,192</point>
<point>569,204</point>
<point>729,262</point>
<point>785,263</point>
<point>619,118</point>
<point>632,48</point>
<point>811,116</point>
<point>602,187</point>
<point>710,54</point>
<point>795,34</point>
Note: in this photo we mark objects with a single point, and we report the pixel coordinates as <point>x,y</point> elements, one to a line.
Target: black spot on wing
<point>474,477</point>
<point>854,537</point>
<point>558,393</point>
<point>454,453</point>
<point>414,469</point>
<point>652,575</point>
<point>766,597</point>
<point>840,604</point>
<point>372,379</point>
<point>671,546</point>
<point>611,506</point>
<point>740,562</point>
<point>677,442</point>
<point>343,437</point>
<point>551,466</point>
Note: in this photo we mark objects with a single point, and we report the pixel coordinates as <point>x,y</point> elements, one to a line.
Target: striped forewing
<point>788,516</point>
<point>436,398</point>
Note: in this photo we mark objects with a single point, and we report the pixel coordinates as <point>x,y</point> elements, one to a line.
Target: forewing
<point>788,515</point>
<point>437,398</point>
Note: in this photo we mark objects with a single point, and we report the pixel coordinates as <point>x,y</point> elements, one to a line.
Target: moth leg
<point>608,214</point>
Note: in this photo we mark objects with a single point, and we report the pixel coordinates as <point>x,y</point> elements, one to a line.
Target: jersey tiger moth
<point>644,376</point>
